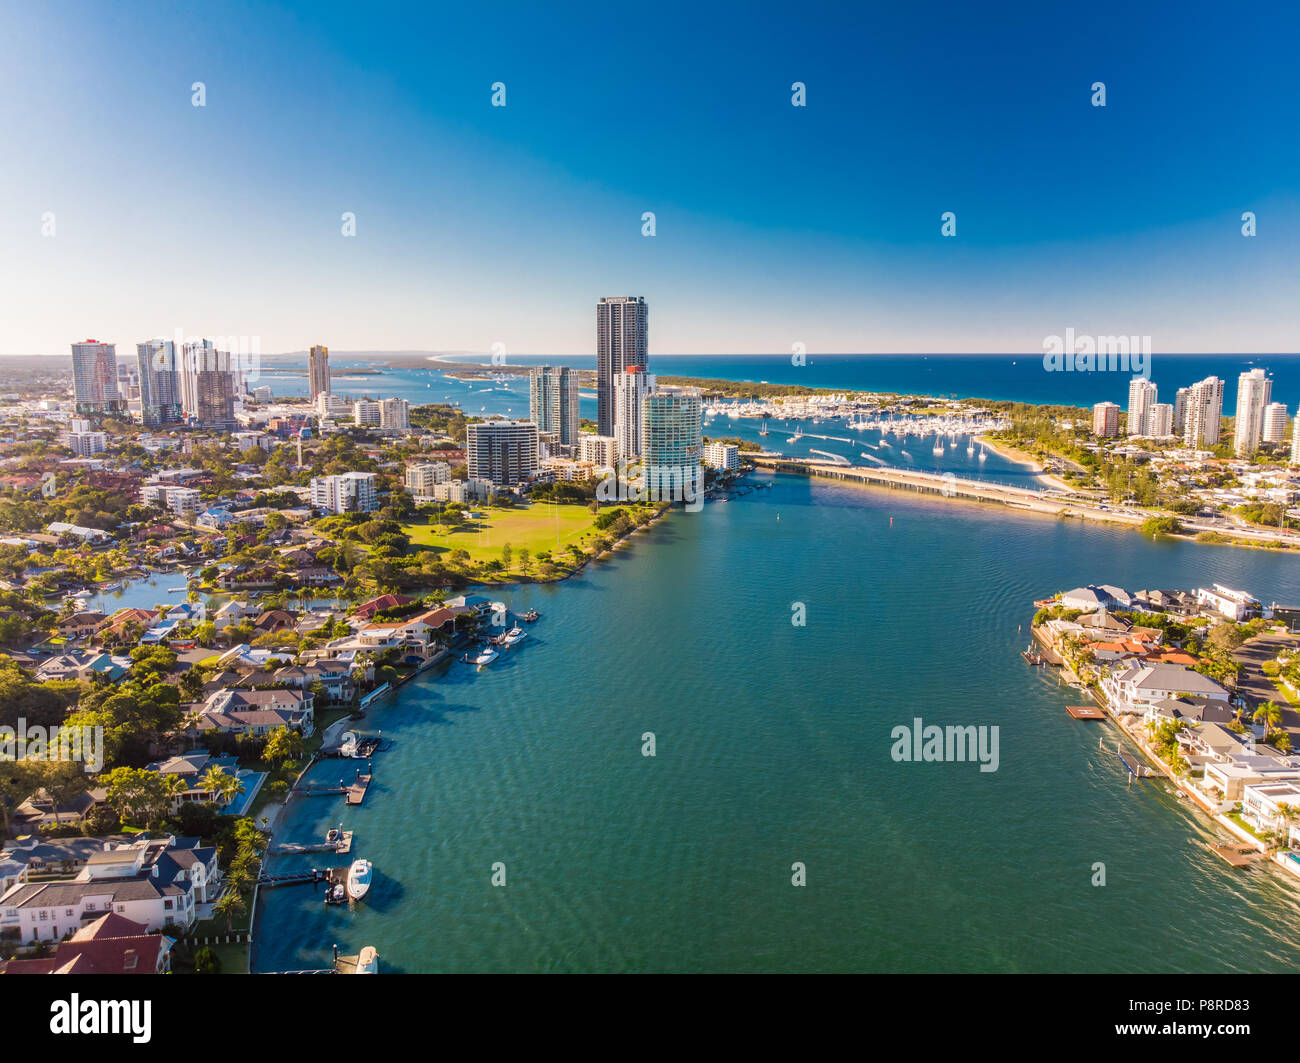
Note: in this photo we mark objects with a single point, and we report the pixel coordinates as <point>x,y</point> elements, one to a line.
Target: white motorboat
<point>359,876</point>
<point>368,961</point>
<point>485,656</point>
<point>515,635</point>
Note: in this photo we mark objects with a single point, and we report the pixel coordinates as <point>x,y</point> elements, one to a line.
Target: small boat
<point>763,431</point>
<point>983,456</point>
<point>938,449</point>
<point>515,635</point>
<point>486,656</point>
<point>531,615</point>
<point>359,876</point>
<point>336,894</point>
<point>368,961</point>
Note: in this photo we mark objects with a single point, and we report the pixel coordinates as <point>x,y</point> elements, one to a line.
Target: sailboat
<point>938,449</point>
<point>983,456</point>
<point>970,448</point>
<point>763,431</point>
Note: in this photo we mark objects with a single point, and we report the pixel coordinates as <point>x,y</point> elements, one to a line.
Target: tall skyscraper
<point>160,400</point>
<point>622,333</point>
<point>553,402</point>
<point>1295,439</point>
<point>1204,411</point>
<point>318,371</point>
<point>207,386</point>
<point>1275,418</point>
<point>1254,390</point>
<point>1181,398</point>
<point>1141,397</point>
<point>94,377</point>
<point>1105,420</point>
<point>630,390</point>
<point>504,452</point>
<point>672,441</point>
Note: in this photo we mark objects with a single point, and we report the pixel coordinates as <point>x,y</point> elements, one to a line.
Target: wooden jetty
<point>342,845</point>
<point>1136,769</point>
<point>1236,855</point>
<point>1085,712</point>
<point>357,791</point>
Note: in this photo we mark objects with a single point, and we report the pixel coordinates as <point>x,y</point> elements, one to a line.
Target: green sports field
<point>534,528</point>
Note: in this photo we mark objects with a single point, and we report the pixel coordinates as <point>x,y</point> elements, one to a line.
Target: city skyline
<point>818,224</point>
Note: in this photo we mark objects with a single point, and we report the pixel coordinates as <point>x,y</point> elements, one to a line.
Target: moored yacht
<point>359,877</point>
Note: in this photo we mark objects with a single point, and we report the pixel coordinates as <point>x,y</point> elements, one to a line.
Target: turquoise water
<point>1009,377</point>
<point>773,748</point>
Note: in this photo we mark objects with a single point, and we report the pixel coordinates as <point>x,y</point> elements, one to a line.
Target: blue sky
<point>775,224</point>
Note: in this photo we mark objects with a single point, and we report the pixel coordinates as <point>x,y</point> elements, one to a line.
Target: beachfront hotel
<point>1254,390</point>
<point>1204,410</point>
<point>622,331</point>
<point>1141,397</point>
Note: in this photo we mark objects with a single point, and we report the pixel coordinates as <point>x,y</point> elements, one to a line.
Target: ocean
<point>1013,378</point>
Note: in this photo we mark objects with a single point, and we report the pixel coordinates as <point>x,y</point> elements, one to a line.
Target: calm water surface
<point>773,747</point>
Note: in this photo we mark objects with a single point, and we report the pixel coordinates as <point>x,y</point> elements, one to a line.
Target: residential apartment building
<point>622,340</point>
<point>1254,391</point>
<point>553,402</point>
<point>1204,413</point>
<point>94,378</point>
<point>350,492</point>
<point>1105,420</point>
<point>502,452</point>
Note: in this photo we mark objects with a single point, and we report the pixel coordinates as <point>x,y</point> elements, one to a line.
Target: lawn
<point>535,528</point>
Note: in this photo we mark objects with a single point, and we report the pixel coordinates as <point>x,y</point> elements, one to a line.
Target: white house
<point>1141,686</point>
<point>1093,597</point>
<point>154,883</point>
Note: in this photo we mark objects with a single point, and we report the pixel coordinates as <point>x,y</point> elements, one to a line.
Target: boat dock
<point>1236,855</point>
<point>1085,712</point>
<point>1135,769</point>
<point>331,876</point>
<point>342,845</point>
<point>355,791</point>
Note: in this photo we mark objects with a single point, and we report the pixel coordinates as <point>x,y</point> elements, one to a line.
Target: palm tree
<point>221,785</point>
<point>230,905</point>
<point>1270,716</point>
